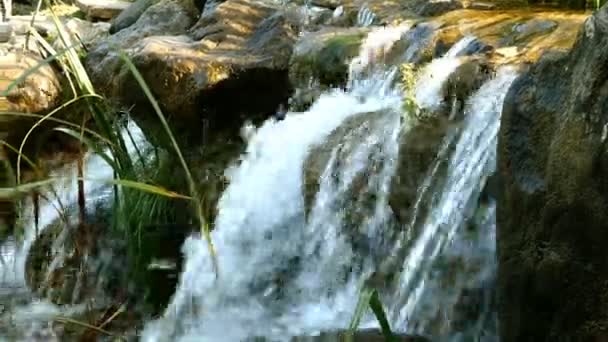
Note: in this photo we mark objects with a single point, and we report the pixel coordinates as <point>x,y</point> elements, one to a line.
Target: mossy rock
<point>324,56</point>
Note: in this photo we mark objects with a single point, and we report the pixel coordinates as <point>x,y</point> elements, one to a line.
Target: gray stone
<point>552,220</point>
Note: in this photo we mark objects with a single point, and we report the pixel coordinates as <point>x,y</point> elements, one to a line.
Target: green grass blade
<point>38,123</point>
<point>362,303</point>
<point>197,199</point>
<point>12,192</point>
<point>33,70</point>
<point>369,296</point>
<point>90,143</point>
<point>59,121</point>
<point>149,188</point>
<point>378,310</point>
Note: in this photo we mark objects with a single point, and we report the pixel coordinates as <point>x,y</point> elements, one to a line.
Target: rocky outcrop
<point>239,48</point>
<point>552,214</point>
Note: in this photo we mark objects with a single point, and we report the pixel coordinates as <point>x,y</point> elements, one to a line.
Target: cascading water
<point>285,273</point>
<point>473,159</point>
<point>290,268</point>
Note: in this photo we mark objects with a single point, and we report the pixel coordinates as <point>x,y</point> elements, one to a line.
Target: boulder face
<point>239,48</point>
<point>322,57</point>
<point>552,212</point>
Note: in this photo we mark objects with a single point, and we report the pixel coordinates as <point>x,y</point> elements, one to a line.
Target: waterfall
<point>283,273</point>
<point>261,231</point>
<point>473,159</point>
<point>290,265</point>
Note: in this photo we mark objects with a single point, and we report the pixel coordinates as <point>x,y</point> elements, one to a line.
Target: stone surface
<point>323,57</point>
<point>552,212</point>
<point>240,48</point>
<point>130,15</point>
<point>38,92</point>
<point>102,9</point>
<point>434,8</point>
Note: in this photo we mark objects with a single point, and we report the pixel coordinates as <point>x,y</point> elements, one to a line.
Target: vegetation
<point>140,181</point>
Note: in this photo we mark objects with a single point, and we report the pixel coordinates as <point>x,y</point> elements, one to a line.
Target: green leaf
<point>23,189</point>
<point>153,189</point>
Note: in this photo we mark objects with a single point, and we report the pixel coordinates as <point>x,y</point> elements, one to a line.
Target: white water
<point>260,227</point>
<point>262,234</point>
<point>474,157</point>
<point>283,274</point>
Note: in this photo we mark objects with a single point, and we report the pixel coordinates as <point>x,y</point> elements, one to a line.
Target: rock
<point>130,15</point>
<point>528,30</point>
<point>463,82</point>
<point>416,45</point>
<point>435,8</point>
<point>5,32</point>
<point>82,32</point>
<point>552,217</point>
<point>366,335</point>
<point>195,76</point>
<point>37,93</point>
<point>331,4</point>
<point>483,6</point>
<point>102,9</point>
<point>323,56</point>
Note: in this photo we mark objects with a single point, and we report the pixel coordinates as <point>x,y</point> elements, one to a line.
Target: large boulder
<point>552,217</point>
<point>236,49</point>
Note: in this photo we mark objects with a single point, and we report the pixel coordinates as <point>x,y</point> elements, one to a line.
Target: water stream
<point>284,274</point>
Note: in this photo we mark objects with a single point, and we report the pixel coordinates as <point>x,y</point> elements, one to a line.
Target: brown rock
<point>240,49</point>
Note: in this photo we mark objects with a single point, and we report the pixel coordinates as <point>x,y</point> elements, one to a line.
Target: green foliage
<point>408,86</point>
<point>141,181</point>
<point>369,296</point>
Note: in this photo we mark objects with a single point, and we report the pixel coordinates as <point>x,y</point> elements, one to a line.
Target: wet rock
<point>331,4</point>
<point>552,217</point>
<point>102,9</point>
<point>466,79</point>
<point>320,60</point>
<point>368,335</point>
<point>324,56</point>
<point>526,31</point>
<point>416,45</point>
<point>435,8</point>
<point>380,12</point>
<point>238,48</point>
<point>484,6</point>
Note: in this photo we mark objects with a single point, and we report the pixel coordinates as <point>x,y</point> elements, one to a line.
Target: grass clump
<point>141,180</point>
